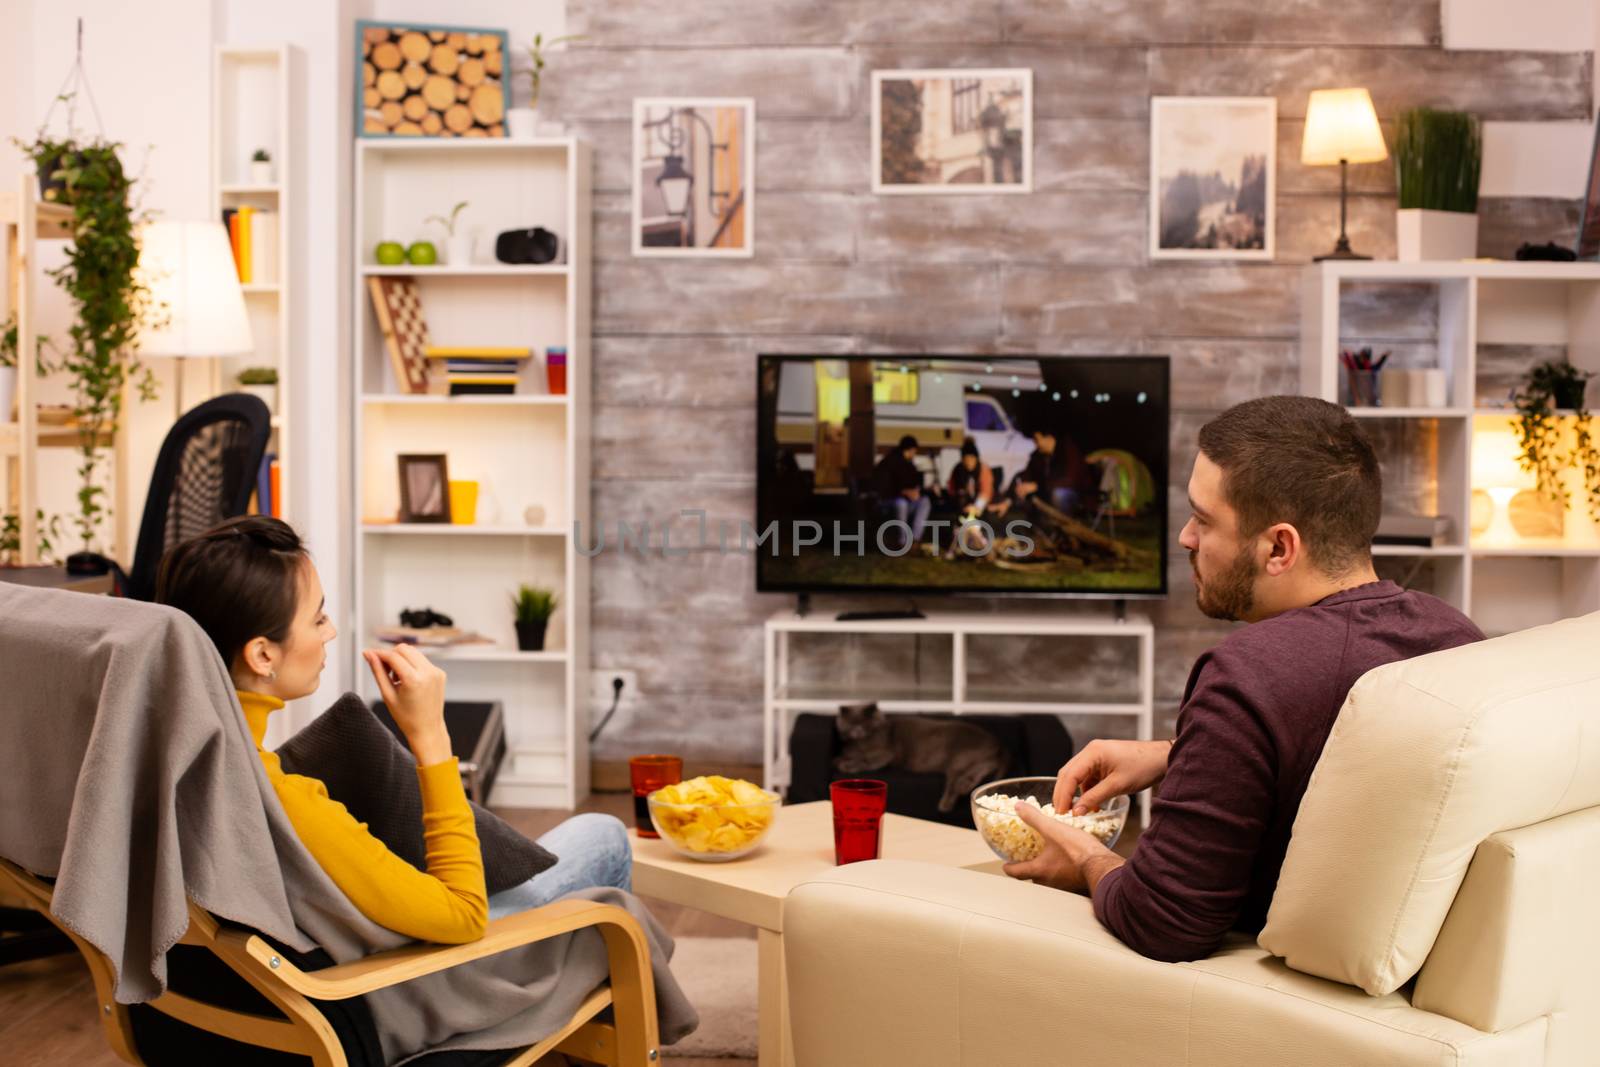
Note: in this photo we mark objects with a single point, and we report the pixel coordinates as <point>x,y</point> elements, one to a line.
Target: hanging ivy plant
<point>109,301</point>
<point>1548,387</point>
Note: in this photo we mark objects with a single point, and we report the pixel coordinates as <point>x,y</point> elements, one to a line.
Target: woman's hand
<point>413,688</point>
<point>1106,769</point>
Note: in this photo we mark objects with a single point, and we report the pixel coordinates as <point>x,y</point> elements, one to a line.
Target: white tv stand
<point>782,699</point>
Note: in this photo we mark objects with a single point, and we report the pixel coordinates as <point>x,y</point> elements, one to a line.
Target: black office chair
<point>205,472</point>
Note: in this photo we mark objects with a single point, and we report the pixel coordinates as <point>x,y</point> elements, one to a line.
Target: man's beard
<point>1229,595</point>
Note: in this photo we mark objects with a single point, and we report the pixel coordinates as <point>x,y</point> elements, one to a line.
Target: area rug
<point>719,976</point>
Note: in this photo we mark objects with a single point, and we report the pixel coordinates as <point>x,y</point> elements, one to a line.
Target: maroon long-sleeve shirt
<point>1256,713</point>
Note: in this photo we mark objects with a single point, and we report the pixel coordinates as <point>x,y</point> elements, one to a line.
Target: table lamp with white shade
<point>197,304</point>
<point>1342,128</point>
<point>1497,473</point>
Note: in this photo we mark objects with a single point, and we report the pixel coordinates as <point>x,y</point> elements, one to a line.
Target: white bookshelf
<point>526,449</point>
<point>250,110</point>
<point>1504,583</point>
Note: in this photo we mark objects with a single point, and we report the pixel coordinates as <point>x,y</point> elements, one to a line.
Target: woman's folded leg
<point>590,849</point>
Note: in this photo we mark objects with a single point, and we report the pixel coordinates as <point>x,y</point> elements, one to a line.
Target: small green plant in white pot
<point>261,167</point>
<point>458,239</point>
<point>261,382</point>
<point>522,122</point>
<point>532,607</point>
<point>1438,156</point>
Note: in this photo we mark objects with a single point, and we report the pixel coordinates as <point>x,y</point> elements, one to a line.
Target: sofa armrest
<point>899,962</point>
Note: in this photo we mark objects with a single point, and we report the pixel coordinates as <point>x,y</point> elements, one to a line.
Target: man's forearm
<point>1097,867</point>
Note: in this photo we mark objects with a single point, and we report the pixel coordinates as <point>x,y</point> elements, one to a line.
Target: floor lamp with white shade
<point>197,306</point>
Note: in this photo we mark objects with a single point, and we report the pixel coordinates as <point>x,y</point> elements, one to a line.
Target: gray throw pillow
<point>368,771</point>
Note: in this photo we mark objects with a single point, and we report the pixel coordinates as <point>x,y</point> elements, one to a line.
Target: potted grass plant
<point>1438,156</point>
<point>532,607</point>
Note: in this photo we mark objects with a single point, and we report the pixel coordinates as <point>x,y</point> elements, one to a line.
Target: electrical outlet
<point>601,692</point>
<point>600,689</point>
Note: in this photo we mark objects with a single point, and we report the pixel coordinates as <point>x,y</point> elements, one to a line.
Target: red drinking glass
<point>858,806</point>
<point>650,773</point>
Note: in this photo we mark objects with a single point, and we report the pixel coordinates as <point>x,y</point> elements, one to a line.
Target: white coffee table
<point>751,890</point>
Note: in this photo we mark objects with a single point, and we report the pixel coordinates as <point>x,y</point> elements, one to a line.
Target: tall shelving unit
<point>26,221</point>
<point>526,449</point>
<point>1503,582</point>
<point>250,110</point>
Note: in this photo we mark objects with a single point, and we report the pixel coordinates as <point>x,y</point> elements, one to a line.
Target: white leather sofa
<point>1440,904</point>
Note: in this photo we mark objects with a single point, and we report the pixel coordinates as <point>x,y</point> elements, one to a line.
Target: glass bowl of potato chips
<point>713,818</point>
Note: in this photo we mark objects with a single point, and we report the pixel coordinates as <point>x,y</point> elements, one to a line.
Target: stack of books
<point>253,234</point>
<point>478,370</point>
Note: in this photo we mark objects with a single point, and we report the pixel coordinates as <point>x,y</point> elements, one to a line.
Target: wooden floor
<point>47,1009</point>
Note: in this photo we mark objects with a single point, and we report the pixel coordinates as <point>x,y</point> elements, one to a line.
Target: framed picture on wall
<point>416,80</point>
<point>952,131</point>
<point>1589,216</point>
<point>694,176</point>
<point>1212,185</point>
<point>424,488</point>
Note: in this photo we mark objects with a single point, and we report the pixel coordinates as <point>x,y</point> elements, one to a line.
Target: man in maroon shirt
<point>1285,495</point>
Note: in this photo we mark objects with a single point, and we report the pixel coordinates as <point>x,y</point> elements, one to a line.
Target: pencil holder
<point>1363,388</point>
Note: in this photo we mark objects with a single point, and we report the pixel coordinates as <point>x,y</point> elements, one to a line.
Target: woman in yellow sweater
<point>254,590</point>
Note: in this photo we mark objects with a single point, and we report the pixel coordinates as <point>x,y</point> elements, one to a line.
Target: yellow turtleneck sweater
<point>447,904</point>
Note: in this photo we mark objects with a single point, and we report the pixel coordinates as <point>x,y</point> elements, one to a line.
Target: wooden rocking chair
<point>629,1040</point>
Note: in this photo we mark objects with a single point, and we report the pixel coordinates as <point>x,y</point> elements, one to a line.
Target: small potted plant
<point>261,382</point>
<point>532,607</point>
<point>1437,158</point>
<point>458,239</point>
<point>261,167</point>
<point>521,122</point>
<point>1546,389</point>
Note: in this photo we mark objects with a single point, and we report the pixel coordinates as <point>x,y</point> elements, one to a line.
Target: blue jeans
<point>591,850</point>
<point>912,512</point>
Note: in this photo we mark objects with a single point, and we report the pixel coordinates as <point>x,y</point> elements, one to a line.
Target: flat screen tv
<point>1037,475</point>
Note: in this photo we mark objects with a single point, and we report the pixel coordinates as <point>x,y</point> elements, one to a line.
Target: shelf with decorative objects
<point>251,195</point>
<point>498,420</point>
<point>1512,556</point>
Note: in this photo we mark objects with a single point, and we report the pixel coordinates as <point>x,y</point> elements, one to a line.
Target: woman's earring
<point>272,676</point>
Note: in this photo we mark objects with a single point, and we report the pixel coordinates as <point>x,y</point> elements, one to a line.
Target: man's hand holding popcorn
<point>1072,860</point>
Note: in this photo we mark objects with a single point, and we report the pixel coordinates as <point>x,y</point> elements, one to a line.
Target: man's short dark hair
<point>1303,461</point>
<point>907,442</point>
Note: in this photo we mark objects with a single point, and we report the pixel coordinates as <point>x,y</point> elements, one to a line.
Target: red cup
<point>858,806</point>
<point>555,370</point>
<point>650,773</point>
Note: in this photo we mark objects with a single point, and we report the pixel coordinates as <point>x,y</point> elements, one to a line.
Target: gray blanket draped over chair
<point>128,774</point>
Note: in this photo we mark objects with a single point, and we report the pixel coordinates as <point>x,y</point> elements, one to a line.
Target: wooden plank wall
<point>837,269</point>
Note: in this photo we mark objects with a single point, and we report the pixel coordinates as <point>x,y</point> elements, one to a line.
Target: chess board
<point>398,305</point>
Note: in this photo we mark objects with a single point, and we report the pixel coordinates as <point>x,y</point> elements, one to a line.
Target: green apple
<point>390,253</point>
<point>422,253</point>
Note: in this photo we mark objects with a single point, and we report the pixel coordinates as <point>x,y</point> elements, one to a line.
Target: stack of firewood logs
<point>432,83</point>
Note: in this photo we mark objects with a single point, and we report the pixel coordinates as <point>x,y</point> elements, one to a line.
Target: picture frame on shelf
<point>952,132</point>
<point>422,80</point>
<point>424,488</point>
<point>1213,165</point>
<point>694,176</point>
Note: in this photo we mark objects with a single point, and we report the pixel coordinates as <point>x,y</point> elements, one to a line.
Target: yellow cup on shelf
<point>463,503</point>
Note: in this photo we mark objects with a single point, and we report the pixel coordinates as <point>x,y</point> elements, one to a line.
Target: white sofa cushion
<point>1428,758</point>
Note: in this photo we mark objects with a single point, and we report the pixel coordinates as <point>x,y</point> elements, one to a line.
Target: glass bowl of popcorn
<point>994,814</point>
<point>713,818</point>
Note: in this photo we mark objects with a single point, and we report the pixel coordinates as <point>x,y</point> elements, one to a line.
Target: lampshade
<point>1494,458</point>
<point>1341,125</point>
<point>194,289</point>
